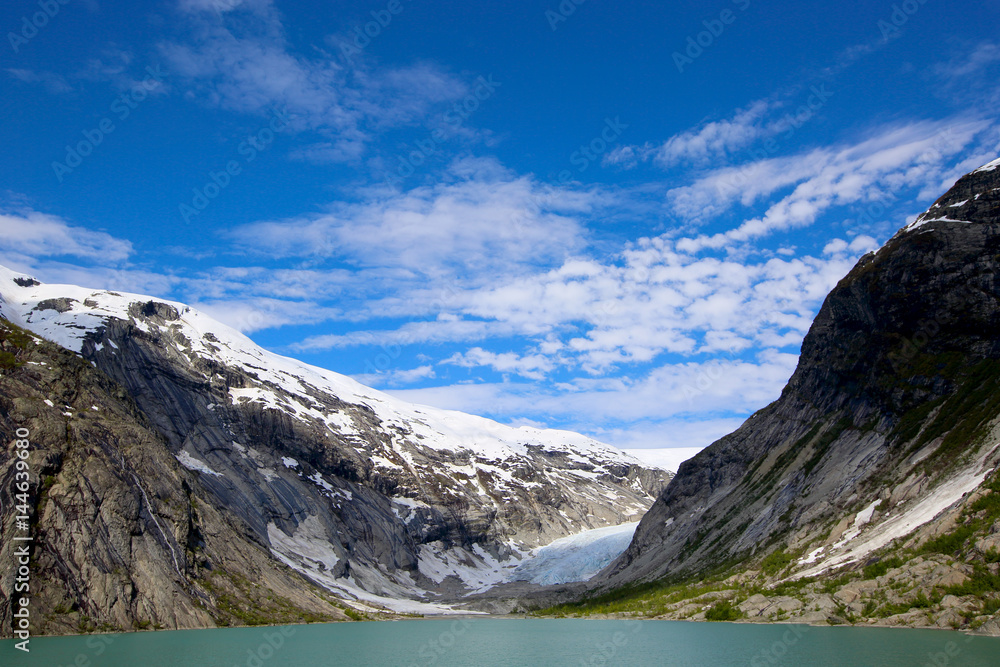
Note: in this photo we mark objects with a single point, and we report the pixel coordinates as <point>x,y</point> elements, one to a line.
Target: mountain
<point>881,448</point>
<point>196,465</point>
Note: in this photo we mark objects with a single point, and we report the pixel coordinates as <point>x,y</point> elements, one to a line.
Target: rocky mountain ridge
<point>884,440</point>
<point>380,502</point>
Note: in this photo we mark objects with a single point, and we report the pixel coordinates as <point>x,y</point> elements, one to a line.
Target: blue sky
<point>614,218</point>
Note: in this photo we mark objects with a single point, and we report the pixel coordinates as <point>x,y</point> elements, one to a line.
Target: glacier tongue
<point>576,557</point>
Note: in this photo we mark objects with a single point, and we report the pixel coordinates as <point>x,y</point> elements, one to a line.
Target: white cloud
<point>710,398</point>
<point>218,5</point>
<point>668,458</point>
<point>969,63</point>
<point>479,222</point>
<point>918,155</point>
<point>716,139</point>
<point>38,235</point>
<point>396,377</point>
<point>711,143</point>
<point>261,313</point>
<point>531,366</point>
<point>445,330</point>
<point>53,83</point>
<point>236,56</point>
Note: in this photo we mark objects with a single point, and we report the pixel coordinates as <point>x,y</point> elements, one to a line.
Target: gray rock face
<point>897,385</point>
<point>123,537</point>
<point>360,492</point>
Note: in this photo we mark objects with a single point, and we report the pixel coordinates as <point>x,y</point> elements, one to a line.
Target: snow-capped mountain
<point>363,493</point>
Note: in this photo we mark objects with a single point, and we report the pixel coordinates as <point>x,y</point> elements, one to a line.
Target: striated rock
<point>123,537</point>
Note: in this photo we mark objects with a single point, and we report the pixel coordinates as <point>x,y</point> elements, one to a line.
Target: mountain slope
<point>123,537</point>
<point>367,495</point>
<point>889,421</point>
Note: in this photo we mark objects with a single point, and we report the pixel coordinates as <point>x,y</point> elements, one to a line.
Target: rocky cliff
<point>371,498</point>
<point>122,536</point>
<point>884,438</point>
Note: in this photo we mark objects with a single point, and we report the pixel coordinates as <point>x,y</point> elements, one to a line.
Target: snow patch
<point>308,548</point>
<point>191,463</point>
<point>318,480</point>
<point>859,544</point>
<point>476,569</point>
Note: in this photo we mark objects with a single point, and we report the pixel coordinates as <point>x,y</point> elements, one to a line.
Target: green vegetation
<point>354,615</point>
<point>723,610</point>
<point>718,593</point>
<point>775,562</point>
<point>921,601</point>
<point>963,417</point>
<point>644,600</point>
<point>14,341</point>
<point>876,570</point>
<point>982,581</point>
<point>236,599</point>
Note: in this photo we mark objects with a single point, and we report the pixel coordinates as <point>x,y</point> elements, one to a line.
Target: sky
<point>614,218</point>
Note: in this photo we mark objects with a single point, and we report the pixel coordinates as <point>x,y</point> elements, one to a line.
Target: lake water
<point>514,643</point>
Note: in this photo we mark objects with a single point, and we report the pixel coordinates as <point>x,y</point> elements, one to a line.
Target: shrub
<point>723,610</point>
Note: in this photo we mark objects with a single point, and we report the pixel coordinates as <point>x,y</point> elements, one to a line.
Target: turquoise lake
<point>513,642</point>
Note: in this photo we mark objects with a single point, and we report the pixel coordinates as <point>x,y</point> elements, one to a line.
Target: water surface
<point>514,643</point>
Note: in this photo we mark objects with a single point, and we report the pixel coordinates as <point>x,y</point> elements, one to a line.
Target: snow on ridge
<point>925,218</point>
<point>433,427</point>
<point>989,166</point>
